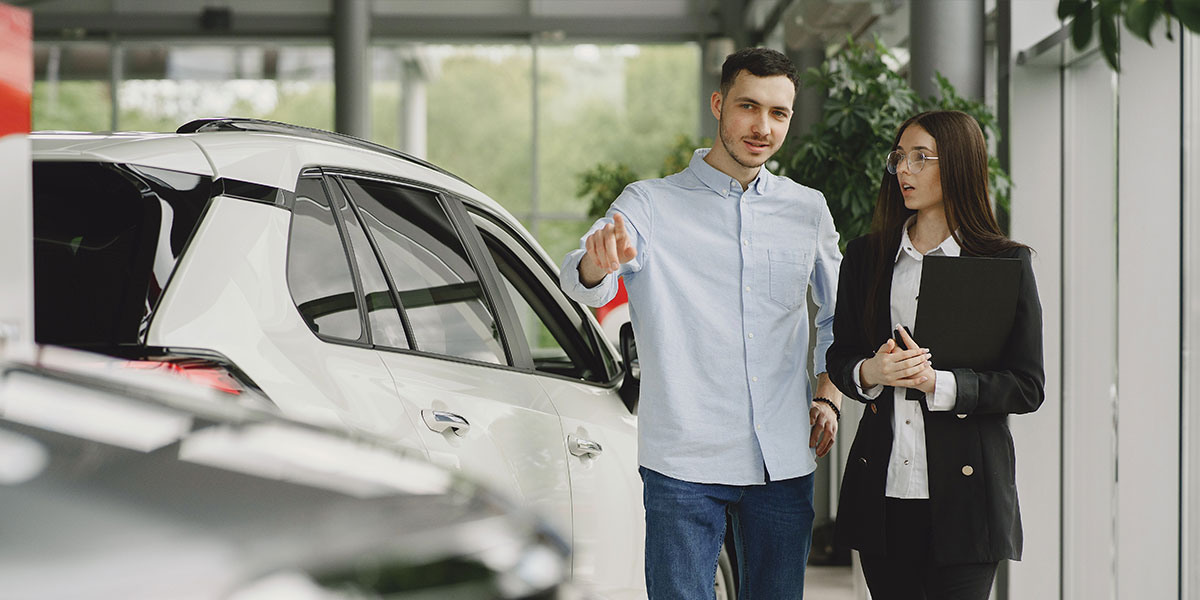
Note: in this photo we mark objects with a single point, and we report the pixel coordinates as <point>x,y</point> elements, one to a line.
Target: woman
<point>929,493</point>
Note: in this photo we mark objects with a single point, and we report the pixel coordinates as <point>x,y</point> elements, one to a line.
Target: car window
<point>384,318</point>
<point>439,289</point>
<point>106,239</point>
<point>560,340</point>
<point>319,274</point>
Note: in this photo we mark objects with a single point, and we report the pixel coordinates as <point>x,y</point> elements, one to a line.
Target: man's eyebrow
<point>747,99</point>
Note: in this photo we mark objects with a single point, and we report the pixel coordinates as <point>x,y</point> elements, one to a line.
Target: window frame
<point>515,348</point>
<point>531,261</point>
<point>364,336</point>
<point>335,183</point>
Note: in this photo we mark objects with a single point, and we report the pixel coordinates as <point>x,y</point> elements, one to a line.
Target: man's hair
<point>760,62</point>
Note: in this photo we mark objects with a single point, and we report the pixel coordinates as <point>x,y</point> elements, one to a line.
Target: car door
<point>578,371</point>
<point>480,412</point>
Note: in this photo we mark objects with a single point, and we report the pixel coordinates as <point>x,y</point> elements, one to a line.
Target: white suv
<point>354,286</point>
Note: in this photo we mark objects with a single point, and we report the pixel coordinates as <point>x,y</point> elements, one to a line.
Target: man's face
<point>754,117</point>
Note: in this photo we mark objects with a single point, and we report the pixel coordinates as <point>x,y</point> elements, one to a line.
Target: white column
<point>414,111</point>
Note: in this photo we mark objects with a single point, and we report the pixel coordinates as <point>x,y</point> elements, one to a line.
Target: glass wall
<point>480,120</point>
<point>159,87</point>
<point>613,104</point>
<point>72,87</point>
<point>476,110</point>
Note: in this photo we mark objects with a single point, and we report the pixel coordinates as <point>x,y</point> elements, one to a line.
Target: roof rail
<point>262,125</point>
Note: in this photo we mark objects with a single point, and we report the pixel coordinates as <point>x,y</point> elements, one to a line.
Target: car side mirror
<point>631,385</point>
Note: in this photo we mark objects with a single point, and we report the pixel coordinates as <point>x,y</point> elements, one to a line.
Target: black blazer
<point>972,470</point>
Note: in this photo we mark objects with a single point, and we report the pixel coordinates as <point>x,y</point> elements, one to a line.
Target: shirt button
<point>750,335</point>
<point>747,288</point>
<point>967,470</point>
<point>906,461</point>
<point>745,242</point>
<point>908,421</point>
<point>753,379</point>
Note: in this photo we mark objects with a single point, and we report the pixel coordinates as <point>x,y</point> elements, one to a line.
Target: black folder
<point>965,309</point>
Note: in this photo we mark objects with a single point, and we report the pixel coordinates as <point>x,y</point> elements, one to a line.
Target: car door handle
<point>440,420</point>
<point>581,447</point>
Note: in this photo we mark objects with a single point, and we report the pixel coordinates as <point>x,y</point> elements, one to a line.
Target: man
<point>716,260</point>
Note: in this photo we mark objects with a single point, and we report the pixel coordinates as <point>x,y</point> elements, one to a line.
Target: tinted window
<point>106,241</point>
<point>319,273</point>
<point>386,327</point>
<point>439,289</point>
<point>560,340</point>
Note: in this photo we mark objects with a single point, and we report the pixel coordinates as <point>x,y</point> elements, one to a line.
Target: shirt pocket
<point>788,272</point>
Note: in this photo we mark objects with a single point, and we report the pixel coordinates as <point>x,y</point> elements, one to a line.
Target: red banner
<point>16,69</point>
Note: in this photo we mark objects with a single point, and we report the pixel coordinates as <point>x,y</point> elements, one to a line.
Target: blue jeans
<point>685,527</point>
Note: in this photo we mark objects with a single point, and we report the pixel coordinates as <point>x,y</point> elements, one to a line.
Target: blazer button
<point>967,470</point>
<point>874,409</point>
<point>962,416</point>
<point>863,459</point>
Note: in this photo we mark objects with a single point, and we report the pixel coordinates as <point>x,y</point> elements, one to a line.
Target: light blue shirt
<point>717,300</point>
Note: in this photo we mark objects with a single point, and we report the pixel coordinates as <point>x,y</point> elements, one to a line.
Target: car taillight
<point>198,370</point>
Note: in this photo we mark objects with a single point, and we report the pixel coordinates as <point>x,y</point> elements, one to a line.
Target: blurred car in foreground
<point>357,288</point>
<point>117,483</point>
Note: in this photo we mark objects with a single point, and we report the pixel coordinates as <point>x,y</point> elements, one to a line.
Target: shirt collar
<point>721,183</point>
<point>948,247</point>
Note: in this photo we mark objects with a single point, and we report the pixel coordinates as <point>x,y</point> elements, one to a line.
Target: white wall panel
<point>1190,413</point>
<point>1036,169</point>
<point>1089,328</point>
<point>1148,318</point>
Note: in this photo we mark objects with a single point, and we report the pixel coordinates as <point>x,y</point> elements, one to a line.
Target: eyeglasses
<point>916,161</point>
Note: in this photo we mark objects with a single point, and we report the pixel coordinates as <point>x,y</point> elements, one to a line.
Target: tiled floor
<point>828,583</point>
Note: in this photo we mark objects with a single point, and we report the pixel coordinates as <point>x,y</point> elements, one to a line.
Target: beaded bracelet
<point>836,412</point>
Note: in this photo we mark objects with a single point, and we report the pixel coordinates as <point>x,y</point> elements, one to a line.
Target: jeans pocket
<point>788,271</point>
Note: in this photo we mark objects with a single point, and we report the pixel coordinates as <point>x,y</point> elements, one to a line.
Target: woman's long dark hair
<point>962,157</point>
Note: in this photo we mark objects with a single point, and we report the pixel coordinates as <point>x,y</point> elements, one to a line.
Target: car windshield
<point>106,240</point>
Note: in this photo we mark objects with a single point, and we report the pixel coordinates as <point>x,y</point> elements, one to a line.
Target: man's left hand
<point>822,418</point>
<point>824,427</point>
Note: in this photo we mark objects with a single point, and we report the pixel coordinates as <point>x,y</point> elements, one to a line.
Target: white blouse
<point>908,467</point>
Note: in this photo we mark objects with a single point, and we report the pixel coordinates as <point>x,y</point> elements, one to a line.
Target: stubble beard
<point>730,144</point>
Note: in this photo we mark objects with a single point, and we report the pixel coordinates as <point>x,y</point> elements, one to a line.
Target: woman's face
<point>922,190</point>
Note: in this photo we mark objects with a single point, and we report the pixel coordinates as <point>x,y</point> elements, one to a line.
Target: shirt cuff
<point>597,295</point>
<point>871,393</point>
<point>945,392</point>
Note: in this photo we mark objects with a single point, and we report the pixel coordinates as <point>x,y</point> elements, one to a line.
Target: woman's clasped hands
<point>908,367</point>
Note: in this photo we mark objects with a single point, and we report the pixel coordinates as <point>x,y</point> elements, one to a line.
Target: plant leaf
<point>1188,13</point>
<point>1066,8</point>
<point>1109,41</point>
<point>1140,17</point>
<point>1081,27</point>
